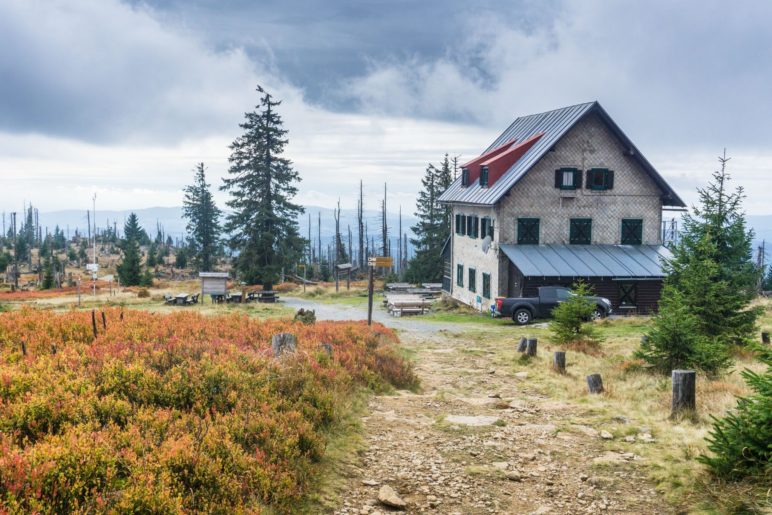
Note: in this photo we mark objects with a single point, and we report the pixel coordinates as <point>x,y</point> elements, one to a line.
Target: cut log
<point>523,344</point>
<point>530,349</point>
<point>282,343</point>
<point>559,362</point>
<point>594,383</point>
<point>684,392</point>
<point>765,337</point>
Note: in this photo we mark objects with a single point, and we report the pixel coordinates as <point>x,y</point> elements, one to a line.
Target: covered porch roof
<point>627,261</point>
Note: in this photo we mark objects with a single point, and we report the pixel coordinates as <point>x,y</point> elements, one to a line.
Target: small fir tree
<point>741,442</point>
<point>715,237</point>
<point>48,274</point>
<point>130,268</point>
<point>572,319</point>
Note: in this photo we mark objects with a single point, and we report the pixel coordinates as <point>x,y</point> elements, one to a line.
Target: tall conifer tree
<point>130,269</point>
<point>433,226</point>
<point>263,225</point>
<point>203,221</point>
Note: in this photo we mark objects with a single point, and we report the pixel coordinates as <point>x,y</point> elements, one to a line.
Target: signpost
<point>373,263</point>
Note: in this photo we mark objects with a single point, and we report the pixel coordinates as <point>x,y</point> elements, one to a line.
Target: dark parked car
<point>523,310</point>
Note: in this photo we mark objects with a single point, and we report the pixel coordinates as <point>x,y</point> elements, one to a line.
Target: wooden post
<point>53,348</point>
<point>370,295</point>
<point>523,344</point>
<point>282,343</point>
<point>765,337</point>
<point>559,362</point>
<point>594,383</point>
<point>78,291</point>
<point>23,348</point>
<point>104,321</point>
<point>684,392</point>
<point>93,322</point>
<point>530,349</point>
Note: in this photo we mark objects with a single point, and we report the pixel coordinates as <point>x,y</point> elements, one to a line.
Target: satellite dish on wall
<point>486,244</point>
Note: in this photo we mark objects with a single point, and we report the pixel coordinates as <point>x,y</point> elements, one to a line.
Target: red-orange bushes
<point>172,413</point>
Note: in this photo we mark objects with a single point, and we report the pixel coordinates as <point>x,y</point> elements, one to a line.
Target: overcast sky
<point>123,98</point>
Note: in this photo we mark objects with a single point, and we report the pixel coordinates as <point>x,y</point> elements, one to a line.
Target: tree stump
<point>765,337</point>
<point>523,344</point>
<point>530,349</point>
<point>594,383</point>
<point>283,343</point>
<point>559,362</point>
<point>684,392</point>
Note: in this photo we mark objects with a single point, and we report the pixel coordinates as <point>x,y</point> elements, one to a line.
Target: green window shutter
<point>528,231</point>
<point>588,179</point>
<point>610,179</point>
<point>577,179</point>
<point>580,231</point>
<point>559,178</point>
<point>472,280</point>
<point>476,226</point>
<point>486,285</point>
<point>458,224</point>
<point>460,275</point>
<point>632,232</point>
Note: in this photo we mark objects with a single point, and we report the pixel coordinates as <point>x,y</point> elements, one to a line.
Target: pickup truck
<point>523,310</point>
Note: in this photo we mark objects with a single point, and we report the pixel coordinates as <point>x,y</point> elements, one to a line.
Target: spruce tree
<point>203,221</point>
<point>715,232</point>
<point>130,269</point>
<point>767,284</point>
<point>263,225</point>
<point>433,226</point>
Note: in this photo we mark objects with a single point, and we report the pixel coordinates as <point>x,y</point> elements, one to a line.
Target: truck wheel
<point>522,316</point>
<point>598,313</point>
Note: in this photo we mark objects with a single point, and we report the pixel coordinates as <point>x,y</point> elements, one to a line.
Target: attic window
<point>600,179</point>
<point>483,176</point>
<point>465,177</point>
<point>568,178</point>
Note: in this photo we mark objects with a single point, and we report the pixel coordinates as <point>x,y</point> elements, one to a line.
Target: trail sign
<point>381,262</point>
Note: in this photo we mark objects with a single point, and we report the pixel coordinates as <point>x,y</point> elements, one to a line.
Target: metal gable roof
<point>554,124</point>
<point>633,261</point>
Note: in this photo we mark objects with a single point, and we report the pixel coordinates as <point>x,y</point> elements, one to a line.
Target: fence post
<point>559,362</point>
<point>684,391</point>
<point>530,350</point>
<point>594,383</point>
<point>283,343</point>
<point>93,322</point>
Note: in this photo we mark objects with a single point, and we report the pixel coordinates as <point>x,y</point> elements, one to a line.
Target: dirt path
<point>479,439</point>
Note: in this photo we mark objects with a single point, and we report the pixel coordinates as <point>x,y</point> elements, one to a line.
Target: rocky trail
<point>479,438</point>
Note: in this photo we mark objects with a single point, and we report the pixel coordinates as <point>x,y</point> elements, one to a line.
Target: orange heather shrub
<point>173,413</point>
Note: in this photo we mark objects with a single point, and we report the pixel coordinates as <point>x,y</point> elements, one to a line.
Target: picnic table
<point>233,297</point>
<point>181,298</point>
<point>266,296</point>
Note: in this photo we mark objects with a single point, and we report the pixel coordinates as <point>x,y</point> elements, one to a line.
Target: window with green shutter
<point>486,278</point>
<point>632,231</point>
<point>599,179</point>
<point>484,176</point>
<point>462,225</point>
<point>458,224</point>
<point>486,227</point>
<point>527,231</point>
<point>460,275</point>
<point>472,280</point>
<point>568,178</point>
<point>580,231</point>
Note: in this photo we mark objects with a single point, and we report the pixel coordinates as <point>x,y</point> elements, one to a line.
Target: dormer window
<point>568,178</point>
<point>465,177</point>
<point>484,176</point>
